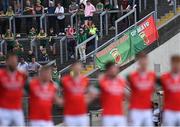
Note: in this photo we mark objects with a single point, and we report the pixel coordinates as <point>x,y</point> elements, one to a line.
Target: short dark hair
<point>156,104</point>
<point>175,59</point>
<point>108,65</point>
<point>141,55</point>
<point>11,54</point>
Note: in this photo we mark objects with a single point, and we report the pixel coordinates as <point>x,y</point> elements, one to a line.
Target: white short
<point>78,120</point>
<point>111,120</point>
<point>11,117</point>
<point>171,118</point>
<point>40,123</point>
<point>140,117</point>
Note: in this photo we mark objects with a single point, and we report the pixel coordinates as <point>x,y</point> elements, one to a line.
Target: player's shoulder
<point>101,77</point>
<point>165,75</point>
<point>133,73</point>
<point>3,71</point>
<point>66,77</point>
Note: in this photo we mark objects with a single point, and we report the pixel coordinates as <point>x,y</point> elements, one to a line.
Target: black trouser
<point>38,23</point>
<point>113,18</point>
<point>51,20</point>
<point>29,23</point>
<point>18,25</point>
<point>61,24</point>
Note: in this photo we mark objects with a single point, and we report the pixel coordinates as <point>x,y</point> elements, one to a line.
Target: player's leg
<point>37,123</point>
<point>5,117</point>
<point>148,118</point>
<point>83,120</point>
<point>135,118</point>
<point>169,118</point>
<point>18,118</point>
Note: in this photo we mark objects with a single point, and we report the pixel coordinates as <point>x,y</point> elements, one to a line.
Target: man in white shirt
<point>33,67</point>
<point>156,114</point>
<point>23,65</point>
<point>60,18</point>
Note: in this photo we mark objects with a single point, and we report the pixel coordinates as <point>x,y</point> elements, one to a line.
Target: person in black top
<point>135,4</point>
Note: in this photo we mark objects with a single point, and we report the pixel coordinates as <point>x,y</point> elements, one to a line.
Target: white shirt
<point>61,12</point>
<point>23,67</point>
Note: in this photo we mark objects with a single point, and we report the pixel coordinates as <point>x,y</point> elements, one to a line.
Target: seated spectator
<point>81,37</point>
<point>70,31</point>
<point>99,6</point>
<point>73,7</point>
<point>55,75</point>
<point>52,36</point>
<point>30,55</point>
<point>28,10</point>
<point>9,38</point>
<point>81,14</point>
<point>33,67</point>
<point>42,39</point>
<point>18,48</point>
<point>60,18</point>
<point>44,57</point>
<point>39,9</point>
<point>89,12</point>
<point>32,33</point>
<point>2,58</point>
<point>22,65</point>
<point>9,11</point>
<point>51,10</point>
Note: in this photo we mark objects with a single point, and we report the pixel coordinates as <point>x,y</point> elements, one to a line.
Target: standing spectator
<point>60,18</point>
<point>18,49</point>
<point>18,12</point>
<point>81,14</point>
<point>9,11</point>
<point>55,75</point>
<point>81,37</point>
<point>32,33</point>
<point>73,7</point>
<point>135,4</point>
<point>124,7</point>
<point>52,36</point>
<point>156,115</point>
<point>9,38</point>
<point>2,58</point>
<point>30,55</point>
<point>42,39</point>
<point>88,12</point>
<point>5,5</point>
<point>23,65</point>
<point>33,67</point>
<point>170,2</point>
<point>44,57</point>
<point>39,9</point>
<point>28,10</point>
<point>99,6</point>
<point>51,19</point>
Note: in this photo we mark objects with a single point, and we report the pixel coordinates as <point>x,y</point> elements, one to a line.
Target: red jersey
<point>41,98</point>
<point>142,88</point>
<point>11,89</point>
<point>74,98</point>
<point>112,95</point>
<point>171,87</point>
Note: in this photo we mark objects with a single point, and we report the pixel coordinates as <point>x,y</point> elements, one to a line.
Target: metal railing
<point>123,17</point>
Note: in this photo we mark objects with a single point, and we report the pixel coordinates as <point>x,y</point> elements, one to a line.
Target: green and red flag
<point>127,46</point>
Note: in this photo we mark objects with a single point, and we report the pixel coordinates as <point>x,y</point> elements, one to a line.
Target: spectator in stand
<point>33,67</point>
<point>2,23</point>
<point>93,31</point>
<point>39,9</point>
<point>52,36</point>
<point>100,6</point>
<point>44,57</point>
<point>170,2</point>
<point>81,37</point>
<point>55,75</point>
<point>28,10</point>
<point>86,30</point>
<point>88,12</point>
<point>18,49</point>
<point>5,4</point>
<point>42,39</point>
<point>32,33</point>
<point>18,12</point>
<point>9,11</point>
<point>81,14</point>
<point>70,31</point>
<point>124,7</point>
<point>2,58</point>
<point>134,4</point>
<point>9,38</point>
<point>22,65</point>
<point>51,19</point>
<point>30,55</point>
<point>73,7</point>
<point>60,18</point>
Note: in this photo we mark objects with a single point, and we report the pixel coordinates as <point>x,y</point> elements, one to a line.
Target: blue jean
<point>5,5</point>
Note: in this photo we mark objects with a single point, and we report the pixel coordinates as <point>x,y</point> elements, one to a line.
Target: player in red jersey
<point>12,84</point>
<point>42,95</point>
<point>74,87</point>
<point>111,90</point>
<point>170,82</point>
<point>142,84</point>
